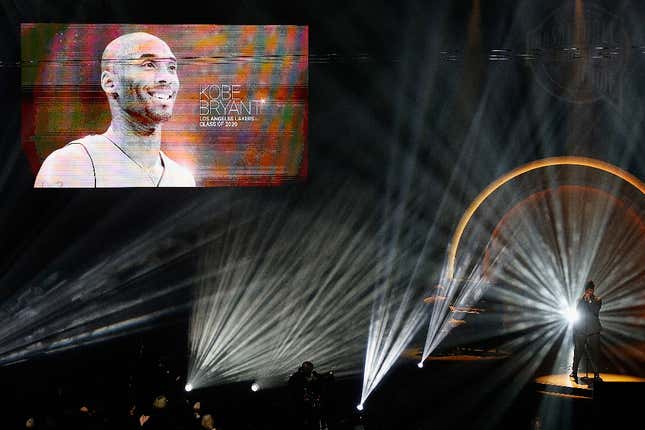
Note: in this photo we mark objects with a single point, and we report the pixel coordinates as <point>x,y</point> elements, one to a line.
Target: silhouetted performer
<point>586,331</point>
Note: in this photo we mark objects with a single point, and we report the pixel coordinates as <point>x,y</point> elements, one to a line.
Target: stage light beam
<point>571,314</point>
<point>268,301</point>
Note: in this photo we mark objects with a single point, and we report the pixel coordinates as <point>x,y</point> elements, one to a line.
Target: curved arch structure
<point>538,164</point>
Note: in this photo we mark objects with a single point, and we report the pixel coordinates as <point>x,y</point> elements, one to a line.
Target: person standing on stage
<point>586,331</point>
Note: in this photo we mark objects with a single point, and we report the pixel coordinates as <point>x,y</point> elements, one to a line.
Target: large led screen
<point>114,105</point>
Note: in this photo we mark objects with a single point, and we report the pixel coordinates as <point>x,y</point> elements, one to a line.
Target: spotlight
<point>420,365</point>
<point>255,387</point>
<point>188,387</point>
<point>571,314</point>
<point>360,407</point>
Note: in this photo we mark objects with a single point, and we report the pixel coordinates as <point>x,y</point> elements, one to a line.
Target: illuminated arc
<point>538,164</point>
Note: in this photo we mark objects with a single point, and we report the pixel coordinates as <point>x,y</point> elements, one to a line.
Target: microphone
<point>593,299</point>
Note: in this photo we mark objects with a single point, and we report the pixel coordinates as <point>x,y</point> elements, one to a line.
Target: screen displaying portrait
<point>125,105</point>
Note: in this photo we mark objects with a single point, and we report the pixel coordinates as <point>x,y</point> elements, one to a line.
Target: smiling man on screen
<point>139,77</point>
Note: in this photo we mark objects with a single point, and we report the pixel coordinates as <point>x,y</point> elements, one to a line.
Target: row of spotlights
<point>254,387</point>
<point>571,314</point>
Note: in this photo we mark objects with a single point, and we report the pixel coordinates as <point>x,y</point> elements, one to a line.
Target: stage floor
<point>562,386</point>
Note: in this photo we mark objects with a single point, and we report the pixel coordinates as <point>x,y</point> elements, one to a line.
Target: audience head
<point>160,402</point>
<point>207,422</point>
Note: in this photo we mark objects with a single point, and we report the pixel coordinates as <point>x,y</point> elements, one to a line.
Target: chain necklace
<point>145,170</point>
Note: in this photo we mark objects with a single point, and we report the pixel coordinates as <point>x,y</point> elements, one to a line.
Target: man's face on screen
<point>146,79</point>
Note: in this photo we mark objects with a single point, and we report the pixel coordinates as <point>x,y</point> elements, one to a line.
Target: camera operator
<point>308,389</point>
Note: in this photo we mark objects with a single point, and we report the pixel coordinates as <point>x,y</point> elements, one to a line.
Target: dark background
<point>369,89</point>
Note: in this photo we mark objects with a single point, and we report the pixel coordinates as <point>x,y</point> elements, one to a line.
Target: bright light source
<point>571,314</point>
<point>188,387</point>
<point>255,387</point>
<point>420,365</point>
<point>360,407</point>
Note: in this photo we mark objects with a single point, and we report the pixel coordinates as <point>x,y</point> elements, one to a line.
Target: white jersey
<point>111,167</point>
